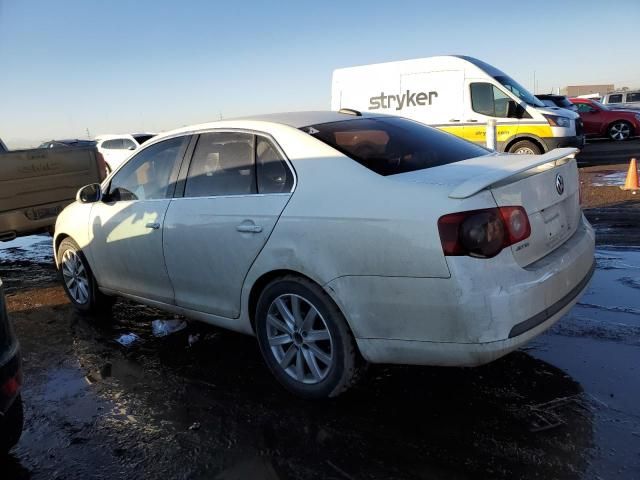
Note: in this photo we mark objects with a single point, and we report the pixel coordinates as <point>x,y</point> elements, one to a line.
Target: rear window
<point>394,145</point>
<point>142,138</point>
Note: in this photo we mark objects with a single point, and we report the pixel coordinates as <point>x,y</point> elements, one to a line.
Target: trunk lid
<point>532,181</point>
<point>550,195</point>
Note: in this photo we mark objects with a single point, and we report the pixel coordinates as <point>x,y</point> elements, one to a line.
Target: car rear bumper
<point>485,310</point>
<point>30,219</point>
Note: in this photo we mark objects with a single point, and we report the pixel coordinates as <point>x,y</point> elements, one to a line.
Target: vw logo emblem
<point>559,184</point>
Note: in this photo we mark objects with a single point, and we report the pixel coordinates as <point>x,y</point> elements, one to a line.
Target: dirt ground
<point>614,213</point>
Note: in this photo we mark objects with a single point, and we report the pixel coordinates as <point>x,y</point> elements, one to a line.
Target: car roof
<point>304,119</point>
<point>290,119</point>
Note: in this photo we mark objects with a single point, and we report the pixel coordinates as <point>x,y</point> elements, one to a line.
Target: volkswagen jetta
<point>337,239</point>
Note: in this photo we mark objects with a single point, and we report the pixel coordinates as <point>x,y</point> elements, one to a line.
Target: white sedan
<point>337,239</point>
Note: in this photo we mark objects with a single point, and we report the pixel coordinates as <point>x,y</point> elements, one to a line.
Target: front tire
<point>305,340</point>
<point>78,280</point>
<point>525,147</point>
<point>12,425</point>
<point>620,131</point>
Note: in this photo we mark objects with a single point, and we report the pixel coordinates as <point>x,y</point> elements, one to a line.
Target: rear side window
<point>115,144</point>
<point>128,144</point>
<point>274,176</point>
<point>391,145</point>
<point>222,164</point>
<point>633,97</point>
<point>617,98</point>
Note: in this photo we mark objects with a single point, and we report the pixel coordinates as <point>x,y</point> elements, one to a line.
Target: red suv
<point>602,121</point>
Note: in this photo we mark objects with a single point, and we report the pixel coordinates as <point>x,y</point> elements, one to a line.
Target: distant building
<point>575,90</point>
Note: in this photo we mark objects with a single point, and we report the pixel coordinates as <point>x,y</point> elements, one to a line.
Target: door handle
<point>249,228</point>
<point>472,120</point>
<point>153,225</point>
<point>454,119</point>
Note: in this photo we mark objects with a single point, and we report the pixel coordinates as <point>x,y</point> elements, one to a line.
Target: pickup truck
<point>629,99</point>
<point>36,184</point>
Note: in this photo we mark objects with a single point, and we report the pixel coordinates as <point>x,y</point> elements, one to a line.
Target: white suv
<point>117,148</point>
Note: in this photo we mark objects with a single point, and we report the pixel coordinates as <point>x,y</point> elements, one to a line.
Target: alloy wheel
<point>299,339</point>
<point>75,277</point>
<point>620,131</point>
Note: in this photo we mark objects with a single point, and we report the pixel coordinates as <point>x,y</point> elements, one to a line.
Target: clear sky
<point>116,66</point>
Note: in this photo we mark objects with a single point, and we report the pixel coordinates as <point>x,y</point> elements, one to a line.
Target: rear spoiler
<point>508,166</point>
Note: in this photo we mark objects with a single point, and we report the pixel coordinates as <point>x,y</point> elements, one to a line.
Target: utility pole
<point>534,82</point>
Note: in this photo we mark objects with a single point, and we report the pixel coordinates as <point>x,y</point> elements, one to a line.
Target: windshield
<point>394,145</point>
<point>518,90</point>
<point>601,105</point>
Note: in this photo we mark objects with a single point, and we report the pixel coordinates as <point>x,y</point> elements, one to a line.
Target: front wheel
<point>305,340</point>
<point>525,147</point>
<point>78,280</point>
<point>619,131</point>
<point>11,426</point>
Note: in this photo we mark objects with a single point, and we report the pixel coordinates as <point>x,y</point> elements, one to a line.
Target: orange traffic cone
<point>632,177</point>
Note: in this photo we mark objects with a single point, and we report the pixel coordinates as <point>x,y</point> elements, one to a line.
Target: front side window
<point>391,145</point>
<point>488,100</point>
<point>584,107</point>
<point>617,98</point>
<point>518,90</point>
<point>222,164</point>
<point>148,175</point>
<point>633,97</point>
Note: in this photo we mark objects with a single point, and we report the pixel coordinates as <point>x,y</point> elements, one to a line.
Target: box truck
<point>458,94</point>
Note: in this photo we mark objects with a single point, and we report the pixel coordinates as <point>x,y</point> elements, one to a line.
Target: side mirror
<point>89,193</point>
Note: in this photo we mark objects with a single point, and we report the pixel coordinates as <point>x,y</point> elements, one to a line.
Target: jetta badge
<point>559,184</point>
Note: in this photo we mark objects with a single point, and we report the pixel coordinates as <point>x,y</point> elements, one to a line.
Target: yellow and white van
<point>458,94</point>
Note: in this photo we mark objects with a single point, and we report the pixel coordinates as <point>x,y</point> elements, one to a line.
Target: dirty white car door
<point>126,226</point>
<point>236,188</point>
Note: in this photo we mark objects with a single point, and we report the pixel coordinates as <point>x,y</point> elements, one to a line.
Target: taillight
<point>483,233</point>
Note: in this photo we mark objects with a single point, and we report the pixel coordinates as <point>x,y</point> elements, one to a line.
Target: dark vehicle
<point>11,417</point>
<point>559,101</point>
<point>73,142</point>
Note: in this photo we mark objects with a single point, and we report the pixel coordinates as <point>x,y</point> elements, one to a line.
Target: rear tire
<point>12,425</point>
<point>78,281</point>
<point>305,340</point>
<point>620,131</point>
<point>525,147</point>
